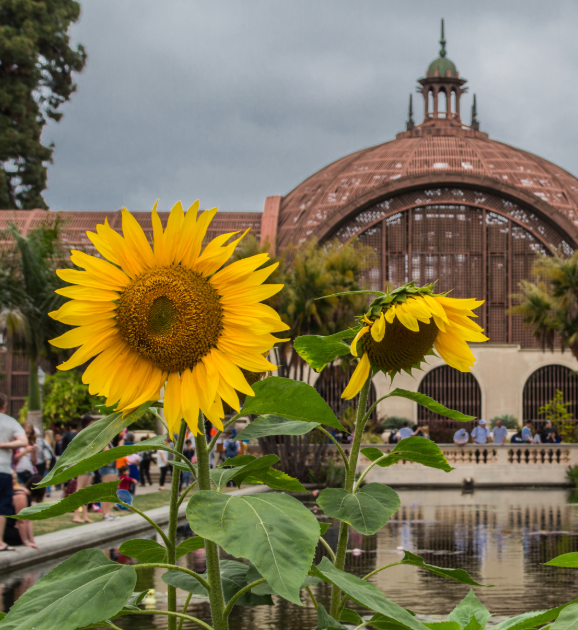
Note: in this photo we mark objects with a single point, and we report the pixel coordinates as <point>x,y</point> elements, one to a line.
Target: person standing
<point>481,434</point>
<point>12,436</point>
<point>500,433</point>
<point>163,464</point>
<point>67,436</point>
<point>189,453</point>
<point>144,468</point>
<point>26,457</point>
<point>527,433</point>
<point>44,455</point>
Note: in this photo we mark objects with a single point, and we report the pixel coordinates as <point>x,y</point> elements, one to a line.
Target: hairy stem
<point>216,598</point>
<point>184,495</point>
<point>328,547</point>
<point>387,566</point>
<point>240,594</point>
<point>349,481</point>
<point>364,473</point>
<point>172,529</point>
<point>185,611</point>
<point>310,592</point>
<point>146,518</point>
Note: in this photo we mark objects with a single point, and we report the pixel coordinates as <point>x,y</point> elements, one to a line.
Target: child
<point>124,486</point>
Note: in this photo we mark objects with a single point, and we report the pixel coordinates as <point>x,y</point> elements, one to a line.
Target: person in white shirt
<point>405,431</point>
<point>461,437</point>
<point>500,433</point>
<point>481,433</point>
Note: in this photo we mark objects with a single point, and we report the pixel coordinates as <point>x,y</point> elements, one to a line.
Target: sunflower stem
<point>216,598</point>
<point>172,528</point>
<point>349,481</point>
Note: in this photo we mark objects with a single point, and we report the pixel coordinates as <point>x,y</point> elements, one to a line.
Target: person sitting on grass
<point>123,491</point>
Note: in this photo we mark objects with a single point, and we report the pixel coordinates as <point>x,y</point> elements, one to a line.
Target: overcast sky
<point>230,101</point>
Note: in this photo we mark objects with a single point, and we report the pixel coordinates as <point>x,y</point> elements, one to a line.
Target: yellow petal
<point>136,240</point>
<point>103,247</point>
<point>86,279</point>
<point>378,328</point>
<point>100,268</point>
<point>356,339</point>
<point>228,394</point>
<point>436,308</point>
<point>231,373</point>
<point>407,319</point>
<point>88,294</point>
<point>252,294</point>
<point>238,271</point>
<point>94,346</point>
<point>205,218</point>
<point>172,401</point>
<point>77,336</point>
<point>358,378</point>
<point>158,237</point>
<point>390,314</point>
<point>190,401</point>
<point>172,233</point>
<point>79,312</point>
<point>188,230</point>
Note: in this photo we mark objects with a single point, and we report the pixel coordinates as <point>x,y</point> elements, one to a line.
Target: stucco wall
<point>501,372</point>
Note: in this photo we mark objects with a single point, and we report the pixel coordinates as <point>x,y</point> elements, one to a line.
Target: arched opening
<point>541,388</point>
<point>330,385</point>
<point>442,104</point>
<point>455,390</point>
<point>430,103</point>
<point>454,105</point>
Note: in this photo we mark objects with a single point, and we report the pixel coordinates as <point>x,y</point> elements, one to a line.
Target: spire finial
<point>410,123</point>
<point>443,42</point>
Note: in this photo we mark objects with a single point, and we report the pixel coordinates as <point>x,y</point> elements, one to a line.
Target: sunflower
<point>168,316</point>
<point>402,327</point>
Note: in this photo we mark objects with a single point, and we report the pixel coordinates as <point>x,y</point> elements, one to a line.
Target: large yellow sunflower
<point>168,316</point>
<point>405,325</point>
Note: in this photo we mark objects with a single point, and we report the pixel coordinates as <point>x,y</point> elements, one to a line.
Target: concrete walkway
<point>66,542</point>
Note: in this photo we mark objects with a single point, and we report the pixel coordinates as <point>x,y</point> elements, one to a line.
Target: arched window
<point>443,103</point>
<point>430,103</point>
<point>541,388</point>
<point>454,106</point>
<point>330,385</point>
<point>453,389</point>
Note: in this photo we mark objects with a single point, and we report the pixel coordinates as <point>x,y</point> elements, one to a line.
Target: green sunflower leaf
<point>431,404</point>
<point>290,399</point>
<point>100,492</point>
<point>194,543</point>
<point>270,424</point>
<point>84,590</point>
<point>104,458</point>
<point>144,550</point>
<point>567,620</point>
<point>325,621</point>
<point>533,619</point>
<point>276,532</point>
<point>276,480</point>
<point>470,607</point>
<point>442,625</point>
<point>367,511</point>
<point>459,575</point>
<point>412,449</point>
<point>93,439</point>
<point>318,351</point>
<point>565,560</point>
<point>366,594</point>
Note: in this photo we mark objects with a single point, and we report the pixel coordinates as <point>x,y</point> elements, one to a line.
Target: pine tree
<point>36,66</point>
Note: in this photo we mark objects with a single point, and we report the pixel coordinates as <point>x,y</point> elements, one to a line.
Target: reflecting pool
<point>500,537</point>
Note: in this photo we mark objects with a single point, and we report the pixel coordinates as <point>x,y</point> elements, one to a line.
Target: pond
<point>500,537</point>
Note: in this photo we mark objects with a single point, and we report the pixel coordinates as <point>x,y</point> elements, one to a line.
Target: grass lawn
<point>144,502</point>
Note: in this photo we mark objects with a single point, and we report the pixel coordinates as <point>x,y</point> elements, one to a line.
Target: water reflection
<point>500,537</point>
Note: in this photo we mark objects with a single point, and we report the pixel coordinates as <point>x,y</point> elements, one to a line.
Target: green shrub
<point>572,475</point>
<point>508,420</point>
<point>371,438</point>
<point>394,422</point>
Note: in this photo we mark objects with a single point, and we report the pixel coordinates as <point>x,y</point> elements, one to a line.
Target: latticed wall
<point>541,388</point>
<point>473,243</point>
<point>456,390</point>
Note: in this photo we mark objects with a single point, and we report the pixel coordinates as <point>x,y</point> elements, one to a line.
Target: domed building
<point>441,202</point>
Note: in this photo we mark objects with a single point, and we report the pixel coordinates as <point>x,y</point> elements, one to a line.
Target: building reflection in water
<point>500,537</point>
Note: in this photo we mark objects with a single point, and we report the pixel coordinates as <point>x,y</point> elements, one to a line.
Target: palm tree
<point>549,305</point>
<point>27,284</point>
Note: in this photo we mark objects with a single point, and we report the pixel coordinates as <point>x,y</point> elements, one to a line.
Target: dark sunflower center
<point>171,316</point>
<point>400,347</point>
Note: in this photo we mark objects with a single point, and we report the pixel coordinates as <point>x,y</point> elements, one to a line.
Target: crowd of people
<point>26,457</point>
<point>481,434</point>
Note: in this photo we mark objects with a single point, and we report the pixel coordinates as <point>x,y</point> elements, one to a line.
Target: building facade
<point>443,201</point>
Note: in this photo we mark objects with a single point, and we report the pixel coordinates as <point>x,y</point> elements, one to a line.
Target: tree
<point>27,284</point>
<point>36,66</point>
<point>556,411</point>
<point>549,304</point>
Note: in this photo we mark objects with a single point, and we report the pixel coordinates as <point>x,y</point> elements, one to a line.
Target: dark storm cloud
<point>229,101</point>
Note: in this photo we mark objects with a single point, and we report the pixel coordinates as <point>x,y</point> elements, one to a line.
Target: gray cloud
<point>230,101</point>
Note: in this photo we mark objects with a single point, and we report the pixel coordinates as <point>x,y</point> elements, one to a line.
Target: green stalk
<point>33,386</point>
<point>349,481</point>
<point>216,598</point>
<point>172,529</point>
